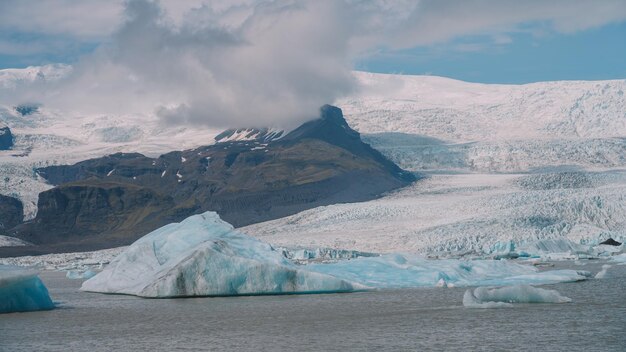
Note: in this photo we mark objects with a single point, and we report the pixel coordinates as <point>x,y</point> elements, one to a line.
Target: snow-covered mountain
<point>456,111</point>
<point>13,77</point>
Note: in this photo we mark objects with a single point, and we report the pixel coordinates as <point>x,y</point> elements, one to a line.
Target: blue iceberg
<point>21,290</point>
<point>205,256</point>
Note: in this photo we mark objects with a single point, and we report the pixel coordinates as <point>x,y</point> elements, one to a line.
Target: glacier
<point>478,215</point>
<point>21,290</point>
<point>205,256</point>
<point>486,297</point>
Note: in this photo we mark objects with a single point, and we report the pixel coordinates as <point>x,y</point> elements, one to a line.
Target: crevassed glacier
<point>485,297</point>
<point>21,290</point>
<point>205,256</point>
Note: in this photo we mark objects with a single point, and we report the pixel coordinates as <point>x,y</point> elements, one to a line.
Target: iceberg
<point>620,258</point>
<point>410,270</point>
<point>486,297</point>
<point>80,274</point>
<point>602,274</point>
<point>21,290</point>
<point>205,256</point>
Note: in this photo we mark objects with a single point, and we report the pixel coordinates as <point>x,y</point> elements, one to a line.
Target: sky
<point>196,61</point>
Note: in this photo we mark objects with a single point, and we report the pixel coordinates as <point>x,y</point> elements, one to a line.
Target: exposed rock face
<point>11,213</point>
<point>611,242</point>
<point>6,138</point>
<point>81,209</point>
<point>116,199</point>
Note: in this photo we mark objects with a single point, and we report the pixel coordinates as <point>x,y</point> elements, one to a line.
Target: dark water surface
<point>397,320</point>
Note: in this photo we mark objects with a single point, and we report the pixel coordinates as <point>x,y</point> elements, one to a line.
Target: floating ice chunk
<point>205,256</point>
<point>21,290</point>
<point>602,273</point>
<point>79,274</point>
<point>485,297</point>
<point>471,301</point>
<point>620,258</point>
<point>407,270</point>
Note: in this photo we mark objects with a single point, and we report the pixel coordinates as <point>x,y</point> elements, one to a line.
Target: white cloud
<point>258,62</point>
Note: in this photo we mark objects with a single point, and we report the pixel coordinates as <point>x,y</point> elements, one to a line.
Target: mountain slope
<point>115,199</point>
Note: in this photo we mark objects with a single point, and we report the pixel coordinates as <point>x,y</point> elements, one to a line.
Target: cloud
<point>276,67</point>
<point>436,21</point>
<point>240,63</point>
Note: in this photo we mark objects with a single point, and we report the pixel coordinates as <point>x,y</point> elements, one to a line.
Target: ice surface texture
<point>408,270</point>
<point>484,297</point>
<point>21,290</point>
<point>205,256</point>
<point>457,214</point>
<point>80,274</point>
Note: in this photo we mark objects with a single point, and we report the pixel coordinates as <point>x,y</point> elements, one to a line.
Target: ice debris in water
<point>205,256</point>
<point>80,274</point>
<point>409,270</point>
<point>485,297</point>
<point>21,290</point>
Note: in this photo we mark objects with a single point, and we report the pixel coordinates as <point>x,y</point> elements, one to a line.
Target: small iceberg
<point>80,274</point>
<point>485,297</point>
<point>620,258</point>
<point>602,274</point>
<point>21,290</point>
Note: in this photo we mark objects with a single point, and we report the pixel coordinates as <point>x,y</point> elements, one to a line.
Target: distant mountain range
<point>114,200</point>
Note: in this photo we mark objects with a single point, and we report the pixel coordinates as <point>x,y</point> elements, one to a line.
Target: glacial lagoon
<point>385,320</point>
